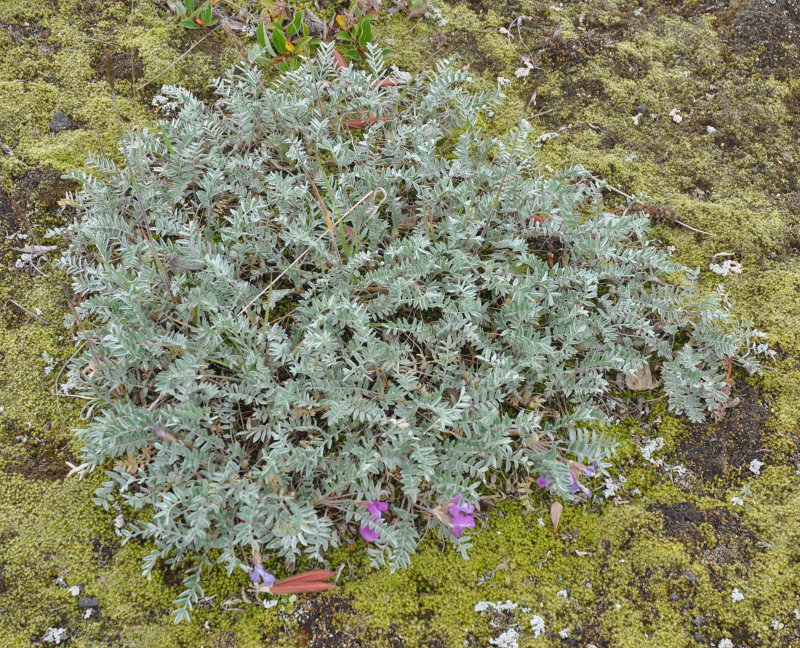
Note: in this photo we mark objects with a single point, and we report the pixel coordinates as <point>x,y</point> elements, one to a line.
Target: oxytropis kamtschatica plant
<point>328,305</point>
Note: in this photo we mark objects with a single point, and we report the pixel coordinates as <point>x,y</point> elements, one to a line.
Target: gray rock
<point>61,122</point>
<point>85,602</point>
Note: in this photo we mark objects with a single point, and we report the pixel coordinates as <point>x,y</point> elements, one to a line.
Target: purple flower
<point>259,574</point>
<point>575,486</point>
<point>591,470</point>
<point>542,481</point>
<point>461,516</point>
<point>376,508</point>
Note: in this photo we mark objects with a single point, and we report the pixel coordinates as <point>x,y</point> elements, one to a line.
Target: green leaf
<point>279,40</point>
<point>208,15</point>
<point>261,36</point>
<point>365,32</point>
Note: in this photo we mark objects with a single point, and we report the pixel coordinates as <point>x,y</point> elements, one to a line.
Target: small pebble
<point>61,122</point>
<point>85,602</point>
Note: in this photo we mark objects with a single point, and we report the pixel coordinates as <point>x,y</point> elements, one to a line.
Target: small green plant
<point>329,306</point>
<point>196,17</point>
<point>285,42</point>
<point>355,35</point>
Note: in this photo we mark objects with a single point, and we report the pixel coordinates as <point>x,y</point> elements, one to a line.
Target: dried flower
<point>162,434</point>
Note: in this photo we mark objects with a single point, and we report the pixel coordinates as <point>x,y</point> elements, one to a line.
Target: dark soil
<point>31,208</point>
<point>9,220</point>
<point>328,621</point>
<point>733,541</point>
<point>225,640</point>
<point>32,456</point>
<point>118,66</point>
<point>40,463</point>
<point>103,552</point>
<point>768,30</point>
<point>724,451</point>
<point>39,189</point>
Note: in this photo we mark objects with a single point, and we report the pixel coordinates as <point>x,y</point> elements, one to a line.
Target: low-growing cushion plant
<point>329,303</point>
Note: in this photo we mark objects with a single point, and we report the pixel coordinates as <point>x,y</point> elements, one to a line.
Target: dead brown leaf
<point>640,380</point>
<point>556,509</point>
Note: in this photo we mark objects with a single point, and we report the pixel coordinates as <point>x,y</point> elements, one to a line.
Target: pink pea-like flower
<point>376,509</point>
<point>461,516</point>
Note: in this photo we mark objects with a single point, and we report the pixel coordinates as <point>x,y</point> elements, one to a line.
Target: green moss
<point>58,66</point>
<point>34,347</point>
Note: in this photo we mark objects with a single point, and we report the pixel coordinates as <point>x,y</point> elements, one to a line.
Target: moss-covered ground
<point>693,548</point>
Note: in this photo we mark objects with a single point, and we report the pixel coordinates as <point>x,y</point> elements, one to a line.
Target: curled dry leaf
<point>640,380</point>
<point>718,413</point>
<point>556,509</point>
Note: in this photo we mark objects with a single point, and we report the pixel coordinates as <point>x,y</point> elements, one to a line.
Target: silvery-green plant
<point>331,290</point>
